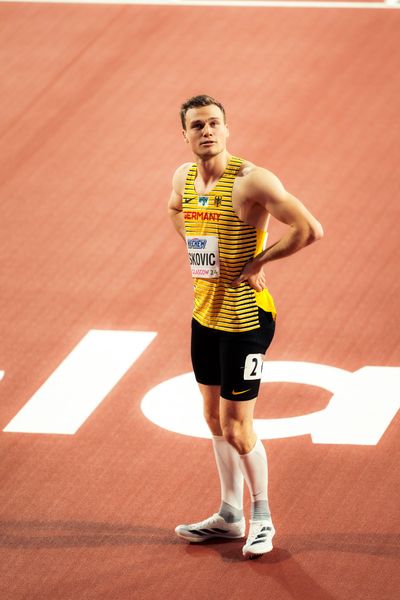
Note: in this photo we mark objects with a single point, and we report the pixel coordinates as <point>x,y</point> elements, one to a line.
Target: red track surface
<point>89,140</point>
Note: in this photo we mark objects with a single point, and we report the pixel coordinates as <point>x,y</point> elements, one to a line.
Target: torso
<point>217,210</point>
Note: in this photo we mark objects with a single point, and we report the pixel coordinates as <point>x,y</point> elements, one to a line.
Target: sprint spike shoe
<point>259,540</point>
<point>213,527</point>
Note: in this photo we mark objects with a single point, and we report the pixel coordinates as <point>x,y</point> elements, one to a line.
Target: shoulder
<point>178,187</point>
<point>256,180</point>
<point>179,177</point>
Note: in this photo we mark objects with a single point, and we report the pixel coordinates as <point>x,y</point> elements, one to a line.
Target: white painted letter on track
<point>361,408</point>
<point>75,389</point>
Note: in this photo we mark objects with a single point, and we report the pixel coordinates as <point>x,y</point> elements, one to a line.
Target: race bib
<point>203,256</point>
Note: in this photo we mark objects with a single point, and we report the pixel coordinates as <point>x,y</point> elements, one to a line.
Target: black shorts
<point>231,360</point>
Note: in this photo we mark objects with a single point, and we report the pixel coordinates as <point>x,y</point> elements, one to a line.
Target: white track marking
<point>81,382</point>
<point>386,4</point>
<point>362,407</point>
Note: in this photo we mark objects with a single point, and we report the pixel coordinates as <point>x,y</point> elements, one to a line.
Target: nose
<point>206,129</point>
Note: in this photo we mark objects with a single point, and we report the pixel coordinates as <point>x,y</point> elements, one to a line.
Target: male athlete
<point>220,205</point>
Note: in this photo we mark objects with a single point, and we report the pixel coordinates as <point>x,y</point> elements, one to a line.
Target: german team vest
<point>219,245</point>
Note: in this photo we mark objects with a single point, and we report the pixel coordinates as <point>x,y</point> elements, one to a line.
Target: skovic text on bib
<point>203,256</point>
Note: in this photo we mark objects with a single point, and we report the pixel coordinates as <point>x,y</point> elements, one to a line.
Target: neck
<point>212,168</point>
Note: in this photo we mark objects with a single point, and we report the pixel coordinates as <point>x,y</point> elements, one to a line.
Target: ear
<point>185,136</point>
<point>227,130</point>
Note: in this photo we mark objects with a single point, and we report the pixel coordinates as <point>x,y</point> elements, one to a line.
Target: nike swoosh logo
<point>242,392</point>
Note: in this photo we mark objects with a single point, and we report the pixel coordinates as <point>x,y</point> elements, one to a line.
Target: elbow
<point>316,232</point>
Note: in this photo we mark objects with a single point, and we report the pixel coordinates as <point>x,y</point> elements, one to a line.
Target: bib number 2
<point>253,366</point>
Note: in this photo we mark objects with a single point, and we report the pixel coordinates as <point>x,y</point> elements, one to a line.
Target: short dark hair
<point>196,102</point>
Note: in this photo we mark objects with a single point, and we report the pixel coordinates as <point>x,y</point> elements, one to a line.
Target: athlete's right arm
<point>175,200</point>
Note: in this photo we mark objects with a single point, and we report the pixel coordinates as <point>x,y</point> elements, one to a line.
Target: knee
<point>239,436</point>
<point>212,420</point>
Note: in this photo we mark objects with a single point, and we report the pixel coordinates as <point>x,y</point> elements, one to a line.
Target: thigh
<point>241,358</point>
<point>211,406</point>
<point>240,412</point>
<point>205,354</point>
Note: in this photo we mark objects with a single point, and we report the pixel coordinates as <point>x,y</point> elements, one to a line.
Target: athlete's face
<point>206,131</point>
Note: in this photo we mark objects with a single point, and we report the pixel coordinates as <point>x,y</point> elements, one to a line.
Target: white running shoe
<point>213,527</point>
<point>259,540</point>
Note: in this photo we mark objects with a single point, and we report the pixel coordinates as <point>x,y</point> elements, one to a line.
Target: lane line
<point>384,5</point>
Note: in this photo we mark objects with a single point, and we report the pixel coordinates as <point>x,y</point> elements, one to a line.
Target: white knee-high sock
<point>254,467</point>
<point>231,478</point>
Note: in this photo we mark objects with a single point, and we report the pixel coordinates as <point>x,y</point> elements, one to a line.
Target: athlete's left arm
<point>265,189</point>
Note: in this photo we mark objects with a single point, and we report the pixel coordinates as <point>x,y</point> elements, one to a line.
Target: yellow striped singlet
<point>216,304</point>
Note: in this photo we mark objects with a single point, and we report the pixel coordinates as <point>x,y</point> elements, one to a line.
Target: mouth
<point>208,143</point>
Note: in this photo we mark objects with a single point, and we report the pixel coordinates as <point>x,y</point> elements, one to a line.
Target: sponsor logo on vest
<point>203,200</point>
<point>197,244</point>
